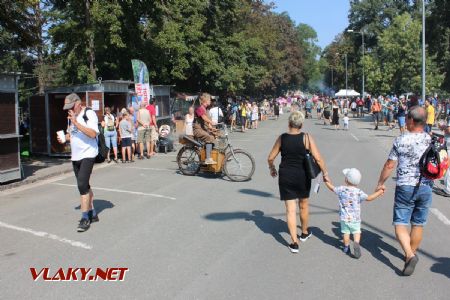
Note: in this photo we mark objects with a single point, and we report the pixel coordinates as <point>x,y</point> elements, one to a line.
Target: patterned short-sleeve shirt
<point>407,151</point>
<point>350,199</point>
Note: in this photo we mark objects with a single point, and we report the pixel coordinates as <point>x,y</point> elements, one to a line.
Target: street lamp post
<point>346,77</point>
<point>423,51</point>
<point>363,53</point>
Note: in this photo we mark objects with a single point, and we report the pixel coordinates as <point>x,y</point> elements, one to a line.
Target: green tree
<point>311,68</point>
<point>400,58</point>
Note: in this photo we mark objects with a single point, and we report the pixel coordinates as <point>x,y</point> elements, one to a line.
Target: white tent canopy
<point>345,93</point>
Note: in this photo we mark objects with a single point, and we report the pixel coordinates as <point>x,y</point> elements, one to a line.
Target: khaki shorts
<point>202,135</point>
<point>153,134</point>
<point>143,135</point>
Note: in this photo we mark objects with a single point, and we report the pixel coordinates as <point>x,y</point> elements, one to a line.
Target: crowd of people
<point>388,111</point>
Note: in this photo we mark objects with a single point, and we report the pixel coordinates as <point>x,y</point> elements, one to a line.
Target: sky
<point>327,17</point>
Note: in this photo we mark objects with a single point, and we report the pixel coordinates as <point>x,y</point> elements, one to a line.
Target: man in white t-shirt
<point>214,113</point>
<point>82,134</point>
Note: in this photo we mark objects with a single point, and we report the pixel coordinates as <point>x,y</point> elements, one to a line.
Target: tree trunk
<point>91,46</point>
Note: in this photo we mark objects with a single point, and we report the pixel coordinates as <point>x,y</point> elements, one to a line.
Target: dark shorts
<point>83,170</point>
<point>327,114</point>
<point>411,205</point>
<point>126,142</point>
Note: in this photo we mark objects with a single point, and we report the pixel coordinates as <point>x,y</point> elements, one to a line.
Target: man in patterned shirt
<point>413,193</point>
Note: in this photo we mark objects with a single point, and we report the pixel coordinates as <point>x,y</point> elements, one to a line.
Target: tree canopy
<point>222,46</point>
<point>393,59</point>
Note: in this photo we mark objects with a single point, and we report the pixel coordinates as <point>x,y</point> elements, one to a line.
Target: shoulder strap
<point>85,118</point>
<point>307,145</point>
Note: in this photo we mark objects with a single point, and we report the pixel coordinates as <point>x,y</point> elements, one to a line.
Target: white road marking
<point>120,191</point>
<point>47,235</point>
<point>440,216</point>
<point>45,181</point>
<point>354,137</point>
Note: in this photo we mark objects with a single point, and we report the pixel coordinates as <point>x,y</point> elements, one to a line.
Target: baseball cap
<point>352,175</point>
<point>70,100</point>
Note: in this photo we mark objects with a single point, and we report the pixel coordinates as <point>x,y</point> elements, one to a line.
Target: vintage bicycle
<point>237,164</point>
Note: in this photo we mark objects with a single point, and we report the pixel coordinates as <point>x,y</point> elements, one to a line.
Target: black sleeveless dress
<point>292,180</point>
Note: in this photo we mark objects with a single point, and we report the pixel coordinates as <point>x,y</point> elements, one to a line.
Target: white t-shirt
<point>214,114</point>
<point>83,146</point>
<point>353,105</point>
<point>346,119</point>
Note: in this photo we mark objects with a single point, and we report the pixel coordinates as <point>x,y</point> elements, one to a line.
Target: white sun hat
<point>352,175</point>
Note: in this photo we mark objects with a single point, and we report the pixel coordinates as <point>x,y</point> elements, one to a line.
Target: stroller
<point>165,139</point>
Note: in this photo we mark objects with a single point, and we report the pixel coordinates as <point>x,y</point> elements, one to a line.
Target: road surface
<point>205,237</point>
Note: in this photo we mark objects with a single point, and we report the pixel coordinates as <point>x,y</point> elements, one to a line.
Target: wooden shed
<point>47,116</point>
<point>10,168</point>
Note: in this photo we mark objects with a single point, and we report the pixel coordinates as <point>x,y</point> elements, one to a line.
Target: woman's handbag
<point>312,168</point>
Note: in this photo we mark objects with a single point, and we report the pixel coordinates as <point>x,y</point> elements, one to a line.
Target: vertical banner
<point>141,80</point>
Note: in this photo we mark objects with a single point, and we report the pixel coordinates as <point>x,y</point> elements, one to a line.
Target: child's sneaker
<point>293,247</point>
<point>357,250</point>
<point>346,249</point>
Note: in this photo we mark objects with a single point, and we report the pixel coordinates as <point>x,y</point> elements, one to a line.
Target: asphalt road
<point>208,238</point>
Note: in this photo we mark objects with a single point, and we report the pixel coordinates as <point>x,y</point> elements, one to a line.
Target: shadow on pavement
<point>256,193</point>
<point>100,205</point>
<point>267,225</point>
<point>372,242</point>
<point>329,240</point>
<point>442,266</point>
<point>375,245</point>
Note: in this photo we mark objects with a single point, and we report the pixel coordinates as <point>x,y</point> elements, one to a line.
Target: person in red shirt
<point>203,127</point>
<point>360,104</point>
<point>153,127</point>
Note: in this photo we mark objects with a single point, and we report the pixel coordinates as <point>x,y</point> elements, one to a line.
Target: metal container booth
<point>47,116</point>
<point>10,168</point>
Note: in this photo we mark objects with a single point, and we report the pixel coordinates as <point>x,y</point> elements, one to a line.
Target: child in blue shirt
<point>350,198</point>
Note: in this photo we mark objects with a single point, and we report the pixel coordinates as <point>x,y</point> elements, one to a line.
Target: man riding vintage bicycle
<point>203,127</point>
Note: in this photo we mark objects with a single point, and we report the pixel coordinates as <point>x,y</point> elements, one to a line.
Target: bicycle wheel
<point>188,160</point>
<point>240,166</point>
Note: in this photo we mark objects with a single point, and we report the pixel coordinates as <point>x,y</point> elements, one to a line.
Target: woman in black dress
<point>293,182</point>
<point>335,114</point>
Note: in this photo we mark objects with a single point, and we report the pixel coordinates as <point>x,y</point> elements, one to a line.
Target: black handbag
<point>312,168</point>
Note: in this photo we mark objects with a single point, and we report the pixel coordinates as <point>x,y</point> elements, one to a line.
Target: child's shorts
<point>350,227</point>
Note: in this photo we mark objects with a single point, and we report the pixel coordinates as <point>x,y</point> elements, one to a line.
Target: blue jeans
<point>111,137</point>
<point>402,121</point>
<point>411,205</point>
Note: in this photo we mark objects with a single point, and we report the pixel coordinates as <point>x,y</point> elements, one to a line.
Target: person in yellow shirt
<point>243,109</point>
<point>430,116</point>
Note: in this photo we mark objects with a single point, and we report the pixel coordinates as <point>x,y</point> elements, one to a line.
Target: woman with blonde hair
<point>293,181</point>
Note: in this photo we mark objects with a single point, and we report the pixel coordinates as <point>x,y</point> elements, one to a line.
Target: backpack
<point>434,162</point>
<point>110,124</point>
<point>102,149</point>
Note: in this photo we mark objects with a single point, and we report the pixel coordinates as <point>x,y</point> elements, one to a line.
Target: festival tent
<point>345,93</point>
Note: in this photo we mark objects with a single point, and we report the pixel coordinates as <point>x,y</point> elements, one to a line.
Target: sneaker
<point>410,265</point>
<point>293,247</point>
<point>305,236</point>
<point>357,250</point>
<point>210,161</point>
<point>83,225</point>
<point>92,218</point>
<point>346,249</point>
